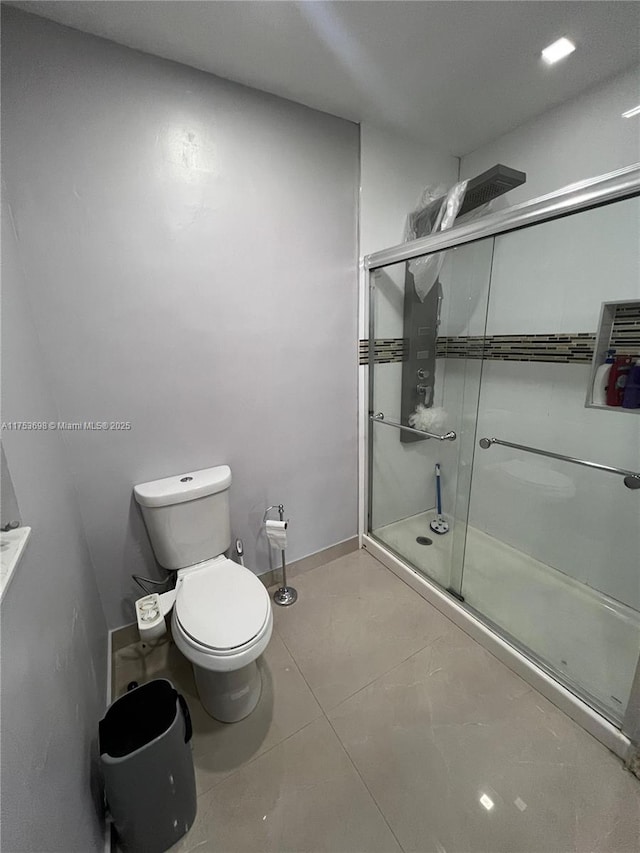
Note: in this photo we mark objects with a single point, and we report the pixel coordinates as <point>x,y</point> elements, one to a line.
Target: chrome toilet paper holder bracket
<point>279,507</point>
<point>284,595</point>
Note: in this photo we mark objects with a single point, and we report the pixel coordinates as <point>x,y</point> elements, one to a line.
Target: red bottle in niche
<point>618,379</point>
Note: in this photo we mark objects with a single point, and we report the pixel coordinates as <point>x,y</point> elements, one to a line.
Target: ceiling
<point>455,74</point>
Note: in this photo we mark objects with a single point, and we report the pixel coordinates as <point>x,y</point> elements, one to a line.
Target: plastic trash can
<point>147,766</point>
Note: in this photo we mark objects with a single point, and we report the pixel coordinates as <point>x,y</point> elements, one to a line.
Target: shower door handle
<point>447,436</point>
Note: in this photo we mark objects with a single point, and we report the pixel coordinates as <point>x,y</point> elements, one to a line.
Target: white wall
<point>554,278</point>
<point>189,248</point>
<point>579,139</point>
<point>54,636</point>
<point>394,171</point>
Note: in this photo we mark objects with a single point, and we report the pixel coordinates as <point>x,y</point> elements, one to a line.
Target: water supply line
<point>140,580</point>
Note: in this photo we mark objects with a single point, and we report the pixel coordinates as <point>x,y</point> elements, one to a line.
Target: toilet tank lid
<point>183,487</point>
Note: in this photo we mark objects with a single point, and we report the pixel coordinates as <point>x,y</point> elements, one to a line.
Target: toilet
<point>222,618</point>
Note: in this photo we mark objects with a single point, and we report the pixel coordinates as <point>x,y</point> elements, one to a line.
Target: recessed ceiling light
<point>632,112</point>
<point>487,802</point>
<point>558,50</point>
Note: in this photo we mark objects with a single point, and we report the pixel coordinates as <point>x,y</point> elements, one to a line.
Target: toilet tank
<point>187,516</point>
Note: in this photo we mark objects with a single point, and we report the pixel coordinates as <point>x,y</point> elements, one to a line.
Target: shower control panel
<point>420,332</point>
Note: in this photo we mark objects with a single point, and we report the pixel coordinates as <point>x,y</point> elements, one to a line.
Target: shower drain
<point>424,540</point>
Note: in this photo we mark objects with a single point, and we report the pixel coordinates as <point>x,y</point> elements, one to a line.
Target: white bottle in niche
<point>601,379</point>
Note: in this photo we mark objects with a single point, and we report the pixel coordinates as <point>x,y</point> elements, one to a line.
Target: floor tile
<point>461,756</point>
<point>457,754</point>
<point>353,621</point>
<point>302,795</point>
<point>285,706</point>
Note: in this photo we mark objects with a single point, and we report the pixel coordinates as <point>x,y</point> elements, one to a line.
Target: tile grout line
<point>257,758</point>
<point>367,789</point>
<point>333,729</point>
<point>280,742</point>
<point>395,665</point>
<point>369,683</point>
<point>342,746</point>
<point>322,714</point>
<point>417,652</point>
<point>382,674</point>
<point>444,616</point>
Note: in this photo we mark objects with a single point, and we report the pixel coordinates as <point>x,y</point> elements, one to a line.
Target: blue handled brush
<point>439,525</point>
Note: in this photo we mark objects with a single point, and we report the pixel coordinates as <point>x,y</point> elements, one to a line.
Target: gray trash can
<point>147,765</point>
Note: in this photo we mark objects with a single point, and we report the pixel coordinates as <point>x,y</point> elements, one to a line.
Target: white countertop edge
<point>20,536</point>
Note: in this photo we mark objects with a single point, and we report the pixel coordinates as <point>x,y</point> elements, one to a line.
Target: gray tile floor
<point>383,727</point>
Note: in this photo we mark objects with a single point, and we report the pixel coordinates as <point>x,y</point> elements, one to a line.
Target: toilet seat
<point>222,618</point>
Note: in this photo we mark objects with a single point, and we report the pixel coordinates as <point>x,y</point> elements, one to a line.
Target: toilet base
<point>229,696</point>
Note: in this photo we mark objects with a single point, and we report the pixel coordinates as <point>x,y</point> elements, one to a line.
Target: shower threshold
<point>586,638</point>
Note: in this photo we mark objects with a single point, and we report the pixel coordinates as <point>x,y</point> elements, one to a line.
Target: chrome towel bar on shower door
<point>379,418</point>
<point>631,478</point>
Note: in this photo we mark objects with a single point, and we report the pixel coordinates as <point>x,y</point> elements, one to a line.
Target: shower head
<point>489,185</point>
<point>480,190</point>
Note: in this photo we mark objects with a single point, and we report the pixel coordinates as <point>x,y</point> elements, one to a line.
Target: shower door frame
<point>575,198</point>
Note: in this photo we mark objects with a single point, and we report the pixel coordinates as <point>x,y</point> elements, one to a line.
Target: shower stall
<point>541,491</point>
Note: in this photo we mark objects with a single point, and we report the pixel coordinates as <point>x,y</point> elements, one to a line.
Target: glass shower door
<point>417,366</point>
<point>552,555</point>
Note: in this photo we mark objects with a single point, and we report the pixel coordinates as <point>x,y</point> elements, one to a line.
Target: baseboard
<point>109,667</point>
<point>107,825</point>
<point>124,636</point>
<point>127,634</point>
<point>592,722</point>
<point>306,564</point>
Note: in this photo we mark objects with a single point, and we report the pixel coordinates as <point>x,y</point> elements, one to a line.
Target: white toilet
<point>222,619</point>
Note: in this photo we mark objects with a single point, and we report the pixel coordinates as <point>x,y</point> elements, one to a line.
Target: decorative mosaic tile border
<point>625,334</point>
<point>385,350</point>
<point>570,348</point>
<point>575,348</point>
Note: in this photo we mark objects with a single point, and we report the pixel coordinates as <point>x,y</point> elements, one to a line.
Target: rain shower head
<point>480,190</point>
<point>489,185</point>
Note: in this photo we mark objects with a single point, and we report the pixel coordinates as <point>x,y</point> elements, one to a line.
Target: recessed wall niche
<point>618,329</point>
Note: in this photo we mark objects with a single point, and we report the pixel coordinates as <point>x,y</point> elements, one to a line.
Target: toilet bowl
<point>222,619</point>
<point>222,622</point>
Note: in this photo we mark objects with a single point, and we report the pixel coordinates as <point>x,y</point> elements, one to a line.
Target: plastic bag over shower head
<point>437,209</point>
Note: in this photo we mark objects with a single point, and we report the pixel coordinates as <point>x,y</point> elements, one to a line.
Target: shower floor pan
<point>591,639</point>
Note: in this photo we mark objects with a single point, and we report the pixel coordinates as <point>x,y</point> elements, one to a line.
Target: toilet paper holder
<point>284,595</point>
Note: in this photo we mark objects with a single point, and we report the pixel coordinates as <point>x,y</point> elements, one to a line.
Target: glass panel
<point>552,552</point>
<point>411,367</point>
